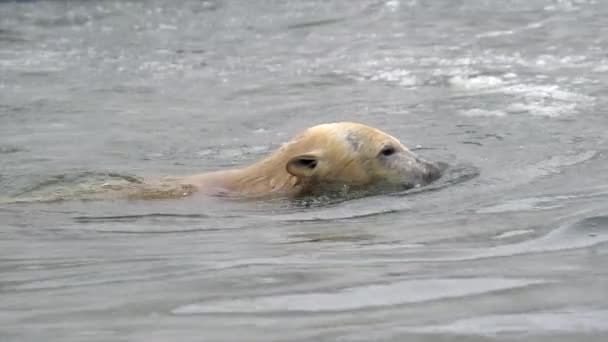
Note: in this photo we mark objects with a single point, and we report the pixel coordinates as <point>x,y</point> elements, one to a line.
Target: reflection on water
<point>510,244</point>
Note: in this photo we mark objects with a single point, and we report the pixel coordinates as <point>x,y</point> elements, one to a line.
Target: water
<point>510,245</point>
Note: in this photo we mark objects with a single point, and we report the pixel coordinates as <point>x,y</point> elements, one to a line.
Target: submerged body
<point>323,159</point>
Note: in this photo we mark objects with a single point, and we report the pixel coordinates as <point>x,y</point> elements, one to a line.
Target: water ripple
<point>361,297</point>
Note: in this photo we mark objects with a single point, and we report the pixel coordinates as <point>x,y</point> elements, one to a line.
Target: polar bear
<point>322,159</point>
<point>334,157</point>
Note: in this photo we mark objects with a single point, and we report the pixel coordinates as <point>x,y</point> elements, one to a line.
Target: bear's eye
<point>388,151</point>
<point>309,163</point>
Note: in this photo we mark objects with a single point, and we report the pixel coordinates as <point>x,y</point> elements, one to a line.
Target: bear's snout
<point>430,172</point>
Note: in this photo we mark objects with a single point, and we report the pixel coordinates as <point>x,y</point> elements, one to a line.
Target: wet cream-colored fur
<point>322,158</point>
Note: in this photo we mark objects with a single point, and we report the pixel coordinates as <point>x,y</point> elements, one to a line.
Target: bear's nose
<point>432,172</point>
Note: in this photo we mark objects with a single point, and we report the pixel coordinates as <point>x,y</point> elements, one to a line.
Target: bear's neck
<point>265,178</point>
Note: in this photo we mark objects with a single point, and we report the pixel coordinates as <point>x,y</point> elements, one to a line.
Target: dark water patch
<point>11,149</point>
<point>313,218</point>
<point>128,89</point>
<point>315,23</point>
<point>159,232</point>
<point>151,216</point>
<point>422,148</point>
<point>168,224</point>
<point>205,6</point>
<point>12,110</point>
<point>74,20</point>
<point>348,237</point>
<point>133,218</point>
<point>591,226</point>
<point>11,36</point>
<point>190,51</point>
<point>37,74</point>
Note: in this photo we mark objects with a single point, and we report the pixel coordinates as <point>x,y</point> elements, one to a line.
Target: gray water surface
<point>510,245</point>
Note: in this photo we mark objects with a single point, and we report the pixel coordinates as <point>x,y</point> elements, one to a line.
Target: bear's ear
<point>303,165</point>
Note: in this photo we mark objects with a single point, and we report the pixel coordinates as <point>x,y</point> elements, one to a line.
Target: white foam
<point>477,112</point>
<point>392,5</point>
<point>553,92</point>
<point>552,61</point>
<point>602,67</point>
<point>513,233</point>
<point>475,83</point>
<point>495,34</point>
<point>399,76</point>
<point>535,25</point>
<point>545,100</point>
<point>542,109</point>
